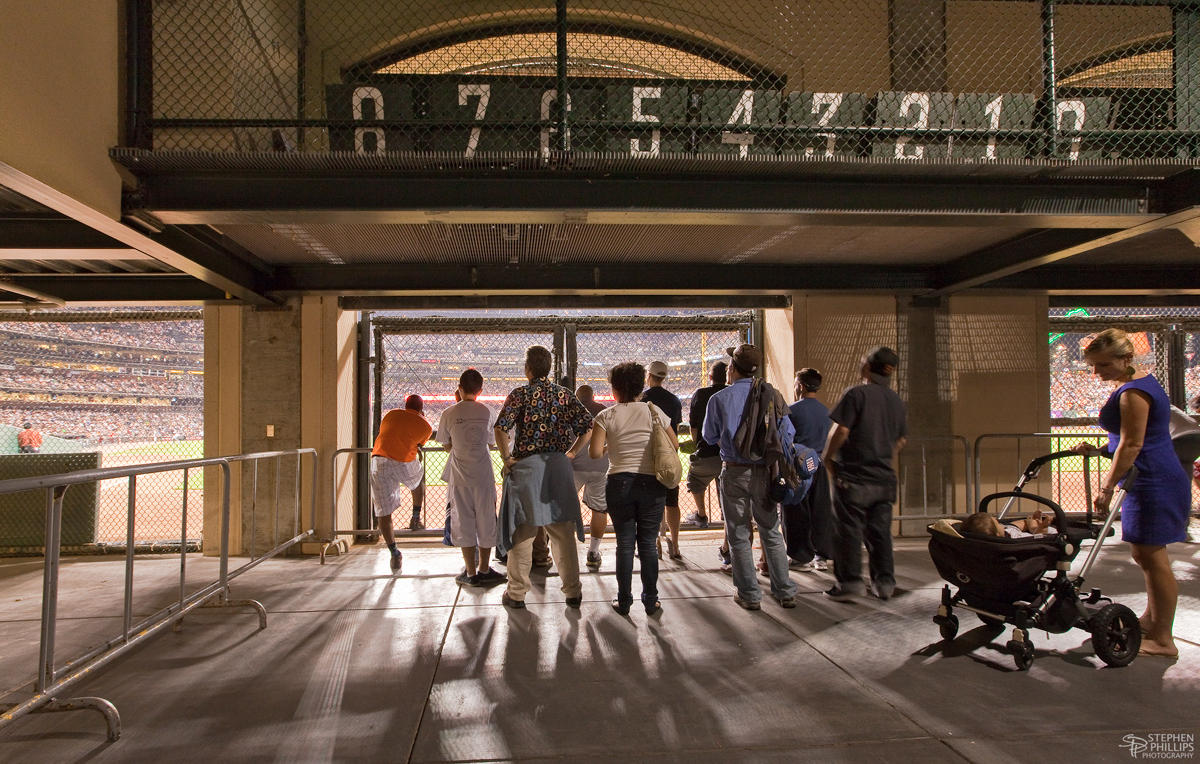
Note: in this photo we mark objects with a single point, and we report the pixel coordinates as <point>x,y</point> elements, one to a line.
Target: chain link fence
<point>903,80</point>
<point>81,389</point>
<point>426,357</point>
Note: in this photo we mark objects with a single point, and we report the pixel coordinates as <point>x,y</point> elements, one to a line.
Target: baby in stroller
<point>1037,524</point>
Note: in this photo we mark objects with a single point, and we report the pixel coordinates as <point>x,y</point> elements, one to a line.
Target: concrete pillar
<point>277,379</point>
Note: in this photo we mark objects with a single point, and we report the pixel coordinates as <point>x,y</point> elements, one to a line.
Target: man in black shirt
<point>706,461</point>
<point>656,374</point>
<point>860,457</point>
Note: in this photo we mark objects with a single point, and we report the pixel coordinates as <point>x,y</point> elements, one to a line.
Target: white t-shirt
<point>627,428</point>
<point>466,427</point>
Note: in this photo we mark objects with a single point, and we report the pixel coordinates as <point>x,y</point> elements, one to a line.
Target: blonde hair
<point>1113,342</point>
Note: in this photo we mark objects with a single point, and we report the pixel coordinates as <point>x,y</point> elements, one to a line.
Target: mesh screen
<point>429,363</point>
<point>103,390</point>
<point>907,80</point>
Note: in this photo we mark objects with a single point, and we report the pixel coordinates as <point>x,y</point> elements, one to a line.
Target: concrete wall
<point>59,95</point>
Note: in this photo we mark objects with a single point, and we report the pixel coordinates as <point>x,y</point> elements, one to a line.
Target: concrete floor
<point>357,664</point>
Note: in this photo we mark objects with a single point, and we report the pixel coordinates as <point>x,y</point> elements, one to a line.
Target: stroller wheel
<point>1116,635</point>
<point>948,626</point>
<point>1021,650</point>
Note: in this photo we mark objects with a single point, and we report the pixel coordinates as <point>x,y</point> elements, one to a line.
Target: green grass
<point>170,450</point>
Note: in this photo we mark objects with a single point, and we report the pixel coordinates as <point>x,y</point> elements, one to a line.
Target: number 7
<point>484,94</point>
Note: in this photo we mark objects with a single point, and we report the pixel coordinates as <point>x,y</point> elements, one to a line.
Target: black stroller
<point>1004,580</point>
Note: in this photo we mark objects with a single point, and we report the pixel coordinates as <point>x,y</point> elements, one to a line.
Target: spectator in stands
<point>706,459</point>
<point>807,525</point>
<point>635,497</point>
<point>658,395</point>
<point>860,458</point>
<point>744,477</point>
<point>547,420</point>
<point>590,477</point>
<point>465,430</point>
<point>29,440</point>
<point>395,464</point>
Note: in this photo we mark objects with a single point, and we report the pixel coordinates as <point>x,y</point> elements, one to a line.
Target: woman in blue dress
<point>1155,512</point>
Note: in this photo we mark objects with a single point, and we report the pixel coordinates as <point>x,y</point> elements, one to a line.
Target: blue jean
<point>744,499</point>
<point>635,507</point>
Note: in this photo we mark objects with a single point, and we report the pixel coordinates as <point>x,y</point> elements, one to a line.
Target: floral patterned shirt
<point>546,416</point>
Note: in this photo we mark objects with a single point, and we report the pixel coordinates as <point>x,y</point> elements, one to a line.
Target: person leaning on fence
<point>740,419</point>
<point>705,461</point>
<point>860,457</point>
<point>465,430</point>
<point>1155,510</point>
<point>394,465</point>
<point>547,420</point>
<point>807,524</point>
<point>29,440</point>
<point>635,498</point>
<point>656,375</point>
<point>591,475</point>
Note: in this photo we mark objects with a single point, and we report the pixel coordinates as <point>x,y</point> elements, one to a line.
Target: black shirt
<point>696,420</point>
<point>667,402</point>
<point>876,418</point>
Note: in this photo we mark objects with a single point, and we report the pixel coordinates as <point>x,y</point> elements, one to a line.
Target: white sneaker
<point>804,567</point>
<point>819,564</point>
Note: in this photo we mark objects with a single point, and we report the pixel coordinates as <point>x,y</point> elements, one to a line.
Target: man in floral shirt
<point>539,485</point>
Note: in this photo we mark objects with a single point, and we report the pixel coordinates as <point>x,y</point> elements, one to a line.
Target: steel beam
<point>38,232</point>
<point>1045,248</point>
<point>101,287</point>
<point>1123,282</point>
<point>218,199</point>
<point>554,301</point>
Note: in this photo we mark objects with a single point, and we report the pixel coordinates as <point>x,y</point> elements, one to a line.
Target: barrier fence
<point>53,679</point>
<point>1065,483</point>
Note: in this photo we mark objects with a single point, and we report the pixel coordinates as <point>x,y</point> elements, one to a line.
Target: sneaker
<point>746,604</point>
<point>723,554</point>
<point>511,603</point>
<point>502,559</point>
<point>653,608</point>
<point>787,602</point>
<point>540,564</point>
<point>488,578</point>
<point>821,564</point>
<point>464,579</point>
<point>415,524</point>
<point>695,520</point>
<point>397,558</point>
<point>838,594</point>
<point>593,560</point>
<point>574,602</point>
<point>727,568</point>
<point>622,608</point>
<point>803,567</point>
<point>883,593</point>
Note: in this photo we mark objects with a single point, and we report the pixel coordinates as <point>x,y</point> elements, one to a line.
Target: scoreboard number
<point>484,93</point>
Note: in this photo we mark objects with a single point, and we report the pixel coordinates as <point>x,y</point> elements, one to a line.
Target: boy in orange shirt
<point>394,464</point>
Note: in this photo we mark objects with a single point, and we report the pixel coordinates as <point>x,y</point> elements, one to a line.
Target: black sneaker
<point>838,594</point>
<point>502,559</point>
<point>464,578</point>
<point>415,524</point>
<point>622,608</point>
<point>489,577</point>
<point>397,558</point>
<point>574,602</point>
<point>511,603</point>
<point>593,560</point>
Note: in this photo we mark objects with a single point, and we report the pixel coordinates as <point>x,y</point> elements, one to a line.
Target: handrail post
<point>53,537</point>
<point>183,542</point>
<point>131,503</point>
<point>226,475</point>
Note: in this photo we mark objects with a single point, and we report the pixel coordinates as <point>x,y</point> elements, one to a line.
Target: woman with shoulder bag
<point>633,493</point>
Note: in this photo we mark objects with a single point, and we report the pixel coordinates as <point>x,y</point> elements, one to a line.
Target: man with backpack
<point>740,419</point>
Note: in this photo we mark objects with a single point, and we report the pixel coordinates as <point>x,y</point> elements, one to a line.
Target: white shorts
<point>388,477</point>
<point>472,526</point>
<point>592,484</point>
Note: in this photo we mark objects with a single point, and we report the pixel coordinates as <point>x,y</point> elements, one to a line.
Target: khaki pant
<point>562,547</point>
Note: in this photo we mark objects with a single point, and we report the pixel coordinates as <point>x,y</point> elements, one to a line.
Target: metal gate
<point>425,356</point>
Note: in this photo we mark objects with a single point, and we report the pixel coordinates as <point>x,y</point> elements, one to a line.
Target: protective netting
<point>910,80</point>
<point>428,357</point>
<point>85,389</point>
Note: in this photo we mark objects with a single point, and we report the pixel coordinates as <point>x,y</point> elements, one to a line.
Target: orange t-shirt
<point>29,438</point>
<point>401,433</point>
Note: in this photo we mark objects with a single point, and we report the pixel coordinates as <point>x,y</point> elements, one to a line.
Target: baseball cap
<point>746,358</point>
<point>657,369</point>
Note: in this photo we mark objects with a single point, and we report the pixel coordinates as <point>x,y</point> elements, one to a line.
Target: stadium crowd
<point>106,424</point>
<point>184,336</point>
<point>56,380</point>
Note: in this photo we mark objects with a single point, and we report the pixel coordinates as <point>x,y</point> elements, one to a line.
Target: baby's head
<point>981,523</point>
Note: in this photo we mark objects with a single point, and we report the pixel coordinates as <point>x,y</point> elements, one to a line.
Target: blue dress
<point>1156,506</point>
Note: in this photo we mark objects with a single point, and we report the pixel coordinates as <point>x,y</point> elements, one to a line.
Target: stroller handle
<point>1060,517</point>
<point>1036,465</point>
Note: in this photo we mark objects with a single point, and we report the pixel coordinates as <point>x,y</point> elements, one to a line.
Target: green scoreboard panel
<point>467,115</point>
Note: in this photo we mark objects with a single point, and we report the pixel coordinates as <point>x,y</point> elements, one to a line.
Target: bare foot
<point>1154,647</point>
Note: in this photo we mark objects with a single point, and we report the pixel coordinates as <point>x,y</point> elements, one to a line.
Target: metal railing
<point>1067,480</point>
<point>52,679</point>
<point>934,464</point>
